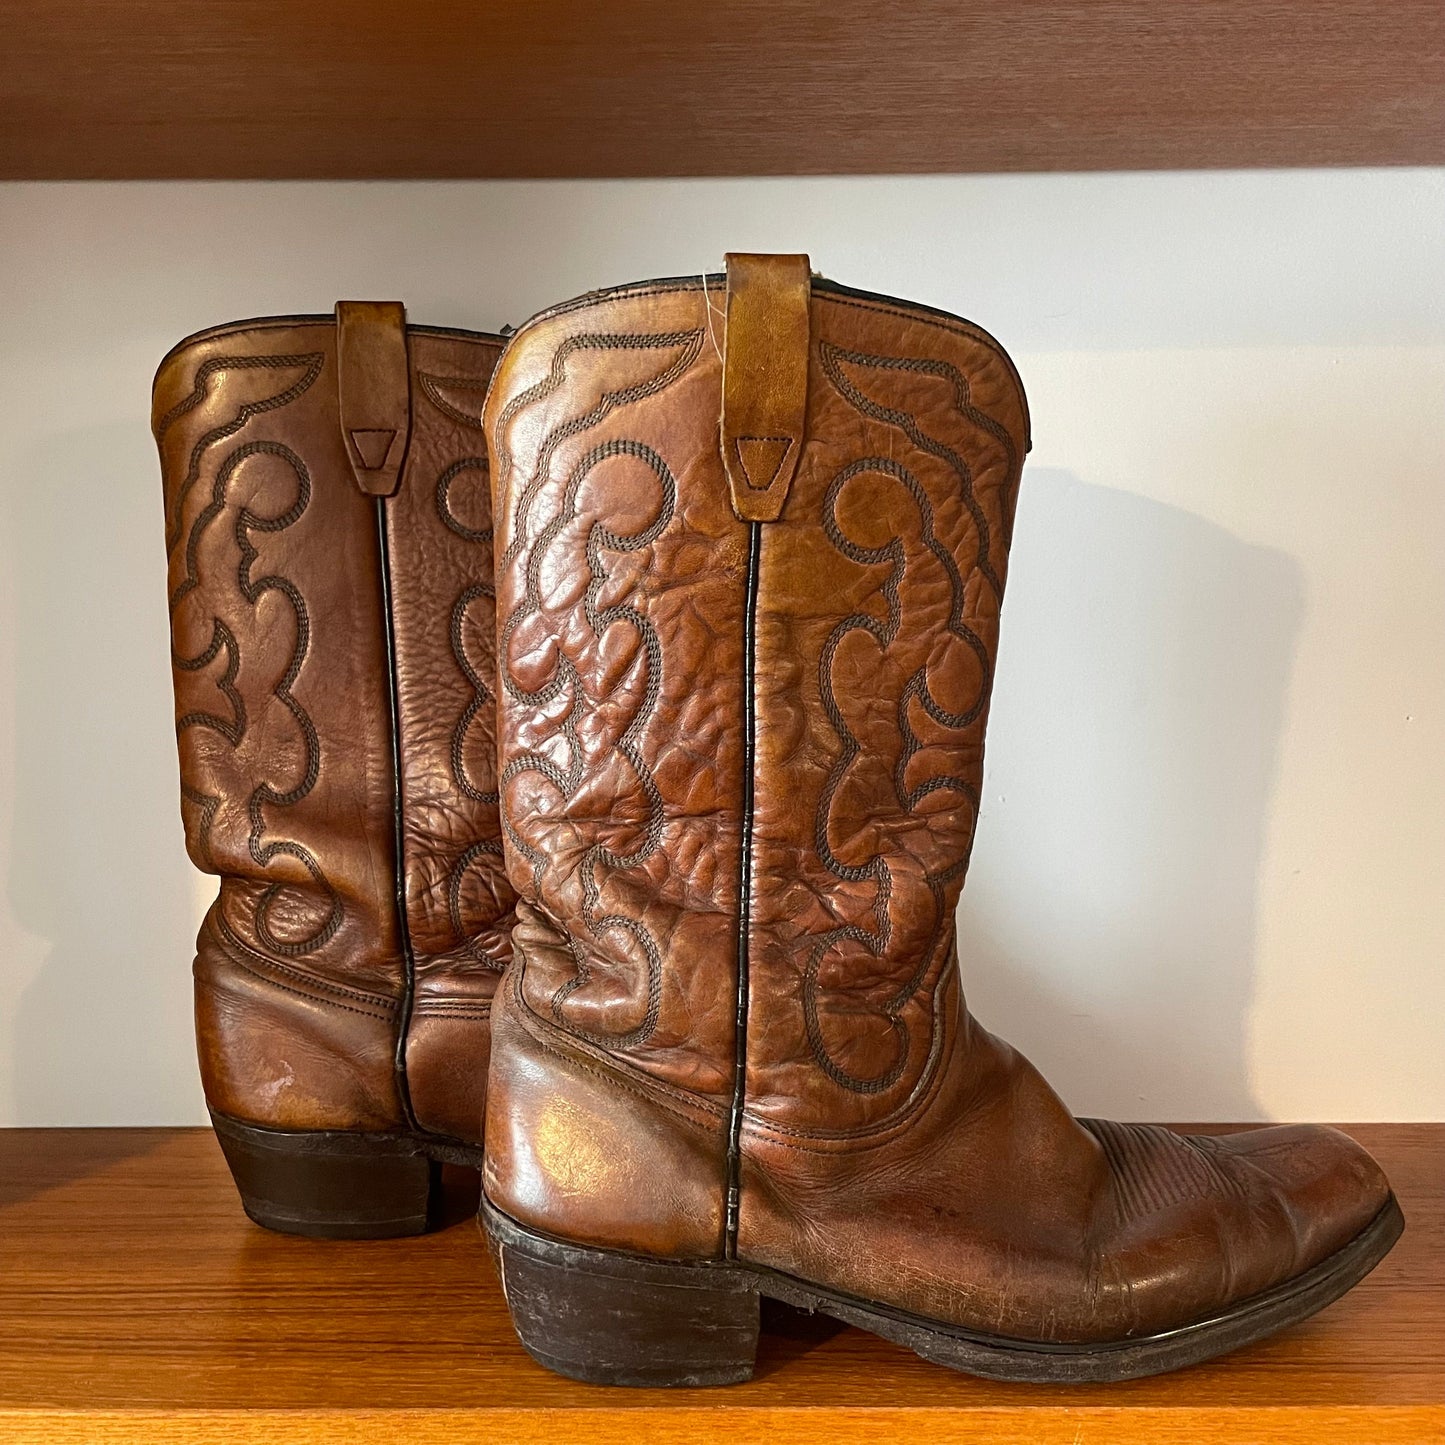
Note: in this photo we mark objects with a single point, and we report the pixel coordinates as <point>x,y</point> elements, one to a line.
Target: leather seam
<point>231,943</point>
<point>398,819</point>
<point>246,968</point>
<point>609,1071</point>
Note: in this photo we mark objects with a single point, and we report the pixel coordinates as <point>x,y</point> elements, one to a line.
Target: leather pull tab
<point>765,380</point>
<point>374,382</point>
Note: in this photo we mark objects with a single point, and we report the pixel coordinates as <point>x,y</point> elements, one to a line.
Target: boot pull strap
<point>765,380</point>
<point>374,382</point>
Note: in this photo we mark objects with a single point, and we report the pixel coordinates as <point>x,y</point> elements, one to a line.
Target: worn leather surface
<point>888,1147</point>
<point>281,633</point>
<point>765,379</point>
<point>373,379</point>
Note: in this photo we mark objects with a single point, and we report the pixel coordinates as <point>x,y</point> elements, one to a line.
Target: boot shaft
<point>741,759</point>
<point>328,524</point>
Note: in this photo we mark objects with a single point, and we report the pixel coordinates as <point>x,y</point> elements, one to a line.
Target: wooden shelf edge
<point>691,1425</point>
<point>442,89</point>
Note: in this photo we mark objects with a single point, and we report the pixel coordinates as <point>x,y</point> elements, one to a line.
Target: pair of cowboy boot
<point>620,716</point>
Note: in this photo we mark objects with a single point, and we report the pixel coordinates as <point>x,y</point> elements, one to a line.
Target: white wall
<point>1210,881</point>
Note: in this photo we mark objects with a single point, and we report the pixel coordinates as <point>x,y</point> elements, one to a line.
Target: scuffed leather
<point>890,1148</point>
<point>280,638</point>
<point>765,379</point>
<point>373,380</point>
<point>583,1148</point>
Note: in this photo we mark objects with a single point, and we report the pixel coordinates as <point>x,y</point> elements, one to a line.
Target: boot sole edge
<point>987,1356</point>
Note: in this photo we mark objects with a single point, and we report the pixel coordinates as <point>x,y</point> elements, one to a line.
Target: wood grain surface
<point>137,1303</point>
<point>453,88</point>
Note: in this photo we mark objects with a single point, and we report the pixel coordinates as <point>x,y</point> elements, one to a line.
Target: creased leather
<point>280,641</point>
<point>616,597</point>
<point>890,1148</point>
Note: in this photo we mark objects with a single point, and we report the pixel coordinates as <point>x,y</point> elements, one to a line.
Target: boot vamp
<point>991,1208</point>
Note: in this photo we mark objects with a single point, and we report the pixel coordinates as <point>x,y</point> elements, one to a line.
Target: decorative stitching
<point>312,361</point>
<point>830,357</point>
<point>832,293</point>
<point>222,639</point>
<point>879,1131</point>
<point>599,537</point>
<point>229,936</point>
<point>431,384</point>
<point>611,1070</point>
<point>449,519</point>
<point>892,554</point>
<point>208,803</point>
<point>689,344</point>
<point>233,729</point>
<point>482,695</point>
<point>482,848</point>
<point>1154,1168</point>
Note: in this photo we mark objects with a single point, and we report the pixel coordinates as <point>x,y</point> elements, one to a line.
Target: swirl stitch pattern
<point>893,554</point>
<point>565,680</point>
<point>309,363</point>
<point>233,729</point>
<point>482,697</point>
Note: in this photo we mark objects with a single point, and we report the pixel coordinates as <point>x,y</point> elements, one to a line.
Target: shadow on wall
<point>103,1034</point>
<point>1108,926</point>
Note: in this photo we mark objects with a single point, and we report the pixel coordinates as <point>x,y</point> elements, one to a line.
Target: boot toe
<point>1201,1223</point>
<point>1328,1187</point>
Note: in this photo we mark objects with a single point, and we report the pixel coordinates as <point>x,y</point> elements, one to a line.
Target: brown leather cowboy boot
<point>328,520</point>
<point>743,693</point>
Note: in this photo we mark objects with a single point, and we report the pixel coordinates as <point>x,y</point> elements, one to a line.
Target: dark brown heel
<point>331,1184</point>
<point>616,1319</point>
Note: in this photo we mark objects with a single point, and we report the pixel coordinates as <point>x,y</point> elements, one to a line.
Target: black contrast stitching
<point>482,695</point>
<point>311,361</point>
<point>233,729</point>
<point>431,387</point>
<point>564,677</point>
<point>893,555</point>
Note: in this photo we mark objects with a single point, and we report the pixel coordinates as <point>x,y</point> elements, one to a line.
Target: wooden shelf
<point>453,88</point>
<point>138,1304</point>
